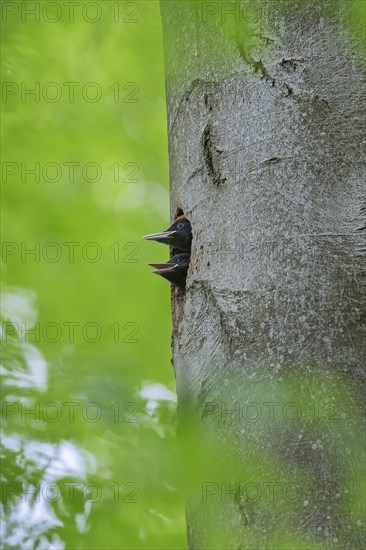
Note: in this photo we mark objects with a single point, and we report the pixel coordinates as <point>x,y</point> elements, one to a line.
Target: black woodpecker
<point>178,235</point>
<point>174,270</point>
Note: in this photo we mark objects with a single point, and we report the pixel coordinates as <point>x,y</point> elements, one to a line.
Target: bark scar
<point>362,215</point>
<point>291,64</point>
<point>211,156</point>
<point>259,67</point>
<point>256,65</point>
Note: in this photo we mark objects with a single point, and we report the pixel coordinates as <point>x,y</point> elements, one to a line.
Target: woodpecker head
<point>174,270</point>
<point>178,235</point>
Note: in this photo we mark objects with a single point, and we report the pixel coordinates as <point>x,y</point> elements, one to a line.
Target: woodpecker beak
<point>160,269</point>
<point>159,236</point>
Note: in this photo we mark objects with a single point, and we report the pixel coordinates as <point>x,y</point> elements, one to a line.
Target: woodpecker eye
<point>180,225</point>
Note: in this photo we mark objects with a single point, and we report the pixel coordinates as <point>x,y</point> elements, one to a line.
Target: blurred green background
<point>119,433</point>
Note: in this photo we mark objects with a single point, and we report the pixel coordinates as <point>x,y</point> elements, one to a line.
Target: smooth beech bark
<point>266,126</point>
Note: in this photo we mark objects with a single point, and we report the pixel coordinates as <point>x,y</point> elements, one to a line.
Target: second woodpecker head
<point>174,270</point>
<point>178,235</point>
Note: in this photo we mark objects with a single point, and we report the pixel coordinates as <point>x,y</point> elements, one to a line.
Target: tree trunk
<point>269,338</point>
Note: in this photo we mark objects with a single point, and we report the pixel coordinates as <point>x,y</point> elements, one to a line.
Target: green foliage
<point>280,458</point>
<point>129,453</point>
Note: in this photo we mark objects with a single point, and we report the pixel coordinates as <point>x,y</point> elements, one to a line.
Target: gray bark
<point>265,121</point>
